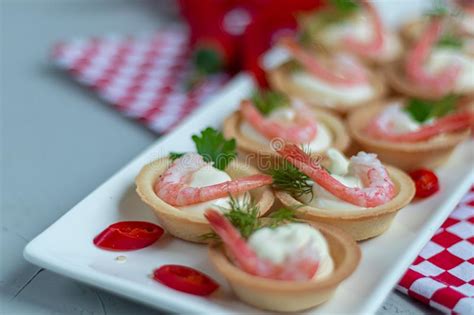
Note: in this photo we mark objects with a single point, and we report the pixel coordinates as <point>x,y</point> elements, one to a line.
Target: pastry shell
<point>279,79</point>
<point>363,224</point>
<point>291,296</point>
<point>263,156</point>
<point>177,222</point>
<point>405,155</point>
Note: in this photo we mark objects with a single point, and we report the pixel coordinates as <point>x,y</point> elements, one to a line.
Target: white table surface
<point>59,142</point>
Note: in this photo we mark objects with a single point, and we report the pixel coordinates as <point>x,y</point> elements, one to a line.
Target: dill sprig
<point>288,178</point>
<point>267,101</point>
<point>243,215</point>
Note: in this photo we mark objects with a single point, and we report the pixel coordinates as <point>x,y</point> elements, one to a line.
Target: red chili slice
<point>128,235</point>
<point>426,182</point>
<point>185,279</point>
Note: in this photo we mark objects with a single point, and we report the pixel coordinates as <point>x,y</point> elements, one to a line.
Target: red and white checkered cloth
<point>443,273</point>
<point>144,77</point>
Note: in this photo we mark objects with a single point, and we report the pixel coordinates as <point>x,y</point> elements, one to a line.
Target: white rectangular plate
<point>66,247</point>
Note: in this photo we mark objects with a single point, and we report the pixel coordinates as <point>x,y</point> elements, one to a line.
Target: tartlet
<point>291,296</point>
<point>257,154</point>
<point>363,224</point>
<point>405,155</point>
<point>280,79</point>
<point>177,222</point>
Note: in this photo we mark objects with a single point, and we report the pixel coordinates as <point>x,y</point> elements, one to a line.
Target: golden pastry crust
<point>177,222</point>
<point>405,155</point>
<point>291,296</point>
<point>263,156</point>
<point>280,79</point>
<point>361,224</point>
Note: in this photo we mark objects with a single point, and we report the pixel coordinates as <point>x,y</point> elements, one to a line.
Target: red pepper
<point>426,182</point>
<point>185,279</point>
<point>128,235</point>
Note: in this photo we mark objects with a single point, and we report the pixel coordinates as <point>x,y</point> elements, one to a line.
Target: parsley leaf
<point>267,101</point>
<point>175,155</point>
<point>422,110</point>
<point>213,147</point>
<point>450,41</point>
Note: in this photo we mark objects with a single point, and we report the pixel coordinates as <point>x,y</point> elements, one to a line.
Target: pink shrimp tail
<point>383,191</point>
<point>245,256</point>
<point>450,123</point>
<point>376,44</point>
<point>303,130</point>
<point>442,82</point>
<point>349,77</point>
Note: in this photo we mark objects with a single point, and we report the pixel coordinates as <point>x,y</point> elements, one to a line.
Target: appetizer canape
<point>355,27</point>
<point>437,63</point>
<point>413,133</point>
<point>180,187</point>
<point>334,81</point>
<point>270,117</point>
<point>281,265</point>
<point>360,195</point>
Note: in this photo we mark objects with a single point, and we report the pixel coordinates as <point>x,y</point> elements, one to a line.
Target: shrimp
<point>376,44</point>
<point>378,187</point>
<point>173,186</point>
<point>444,81</point>
<point>299,266</point>
<point>302,130</point>
<point>449,123</point>
<point>350,74</point>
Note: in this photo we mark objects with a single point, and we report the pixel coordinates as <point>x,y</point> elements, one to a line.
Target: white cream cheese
<point>396,120</point>
<point>340,170</point>
<point>320,143</point>
<point>330,95</point>
<point>442,57</point>
<point>361,29</point>
<point>277,244</point>
<point>207,175</point>
<point>466,22</point>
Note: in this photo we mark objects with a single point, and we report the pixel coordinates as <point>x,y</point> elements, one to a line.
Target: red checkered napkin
<point>143,76</point>
<point>443,273</point>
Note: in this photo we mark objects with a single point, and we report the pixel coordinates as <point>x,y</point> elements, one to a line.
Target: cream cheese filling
<point>330,95</point>
<point>321,142</point>
<point>277,244</point>
<point>323,199</point>
<point>442,57</point>
<point>207,175</point>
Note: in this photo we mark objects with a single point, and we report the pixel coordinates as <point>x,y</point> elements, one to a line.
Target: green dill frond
<point>243,214</point>
<point>281,216</point>
<point>288,178</point>
<point>267,101</point>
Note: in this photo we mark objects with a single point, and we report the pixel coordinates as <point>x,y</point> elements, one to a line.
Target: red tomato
<point>185,279</point>
<point>128,235</point>
<point>426,182</point>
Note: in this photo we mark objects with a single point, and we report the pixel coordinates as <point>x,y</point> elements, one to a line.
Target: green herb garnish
<point>288,178</point>
<point>281,216</point>
<point>267,101</point>
<point>345,6</point>
<point>243,214</point>
<point>450,41</point>
<point>213,147</point>
<point>422,110</point>
<point>175,155</point>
